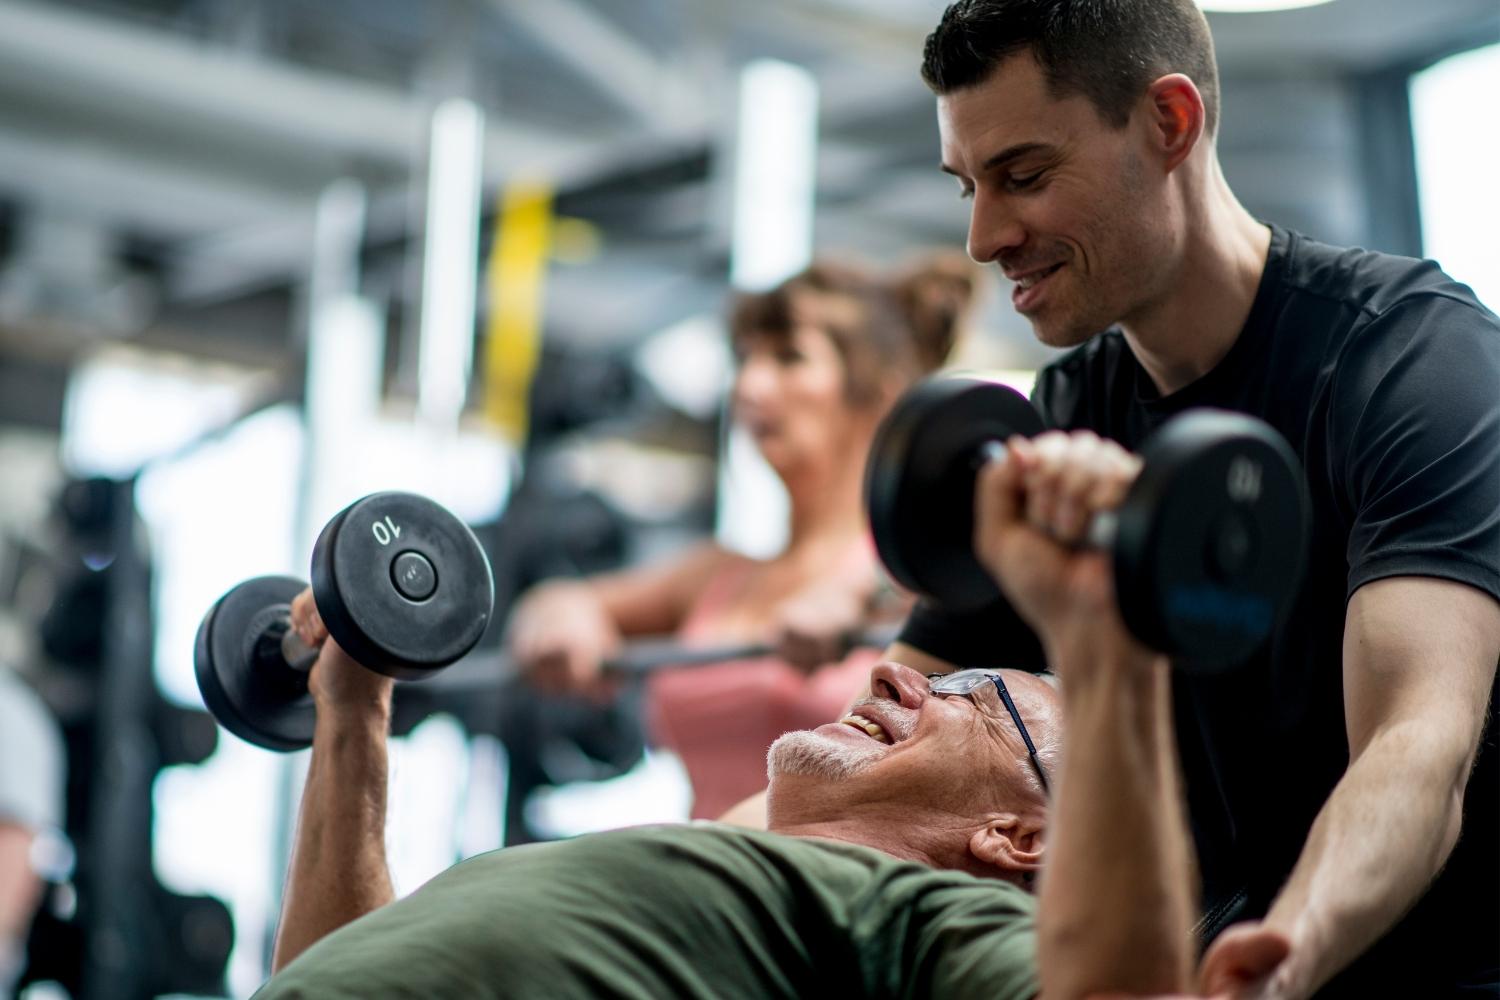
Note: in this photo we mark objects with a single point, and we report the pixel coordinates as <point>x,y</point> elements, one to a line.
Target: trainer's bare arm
<point>338,869</point>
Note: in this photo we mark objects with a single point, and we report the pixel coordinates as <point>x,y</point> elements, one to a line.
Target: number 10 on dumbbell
<point>1206,548</point>
<point>402,585</point>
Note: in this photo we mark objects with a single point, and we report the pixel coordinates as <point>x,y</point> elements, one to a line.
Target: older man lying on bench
<point>904,855</point>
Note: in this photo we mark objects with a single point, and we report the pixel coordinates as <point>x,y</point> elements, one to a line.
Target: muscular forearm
<point>1419,664</point>
<point>338,869</point>
<point>1117,898</point>
<point>1349,887</point>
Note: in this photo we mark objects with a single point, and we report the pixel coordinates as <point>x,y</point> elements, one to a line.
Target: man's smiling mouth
<point>868,726</point>
<point>1025,281</point>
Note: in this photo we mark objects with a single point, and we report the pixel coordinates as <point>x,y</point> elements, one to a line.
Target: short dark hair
<point>1107,50</point>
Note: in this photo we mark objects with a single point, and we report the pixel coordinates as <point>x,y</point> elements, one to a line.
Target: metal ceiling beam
<point>133,188</point>
<point>99,66</point>
<point>622,70</point>
<point>265,252</point>
<point>1338,38</point>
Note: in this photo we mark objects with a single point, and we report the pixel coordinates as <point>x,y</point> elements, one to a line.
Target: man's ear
<point>1177,117</point>
<point>1013,843</point>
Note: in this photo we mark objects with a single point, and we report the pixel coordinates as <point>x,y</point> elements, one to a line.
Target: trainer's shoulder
<point>1369,281</point>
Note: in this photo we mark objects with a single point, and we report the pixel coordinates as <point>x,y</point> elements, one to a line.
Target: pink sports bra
<point>721,719</point>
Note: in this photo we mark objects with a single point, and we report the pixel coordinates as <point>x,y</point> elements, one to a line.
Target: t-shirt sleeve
<point>993,636</point>
<point>928,936</point>
<point>987,951</point>
<point>1417,405</point>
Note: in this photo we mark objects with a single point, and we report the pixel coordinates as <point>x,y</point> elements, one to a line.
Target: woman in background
<point>820,359</point>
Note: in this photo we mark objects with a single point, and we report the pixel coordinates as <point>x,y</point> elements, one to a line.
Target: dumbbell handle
<point>1104,526</point>
<point>278,640</point>
<point>298,654</point>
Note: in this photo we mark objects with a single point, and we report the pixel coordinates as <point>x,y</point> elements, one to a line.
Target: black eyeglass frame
<point>936,681</point>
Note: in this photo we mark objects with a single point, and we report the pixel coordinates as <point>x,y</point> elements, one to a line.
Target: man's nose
<point>899,683</point>
<point>994,228</point>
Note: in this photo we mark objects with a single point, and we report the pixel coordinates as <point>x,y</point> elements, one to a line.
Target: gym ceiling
<point>160,159</point>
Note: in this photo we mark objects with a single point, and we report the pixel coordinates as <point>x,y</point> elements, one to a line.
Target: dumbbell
<point>1206,548</point>
<point>402,585</point>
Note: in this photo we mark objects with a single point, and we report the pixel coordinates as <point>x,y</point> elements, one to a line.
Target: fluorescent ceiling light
<point>450,268</point>
<point>776,167</point>
<point>1255,6</point>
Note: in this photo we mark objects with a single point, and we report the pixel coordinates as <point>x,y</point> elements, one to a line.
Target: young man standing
<point>1332,780</point>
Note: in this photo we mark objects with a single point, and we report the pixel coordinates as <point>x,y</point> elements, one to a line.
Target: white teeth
<point>1026,281</point>
<point>873,728</point>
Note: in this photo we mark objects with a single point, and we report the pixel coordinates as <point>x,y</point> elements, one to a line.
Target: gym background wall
<point>258,258</point>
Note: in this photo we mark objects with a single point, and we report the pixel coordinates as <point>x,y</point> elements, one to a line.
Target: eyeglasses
<point>965,683</point>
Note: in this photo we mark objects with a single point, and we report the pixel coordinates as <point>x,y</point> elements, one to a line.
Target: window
<point>1457,139</point>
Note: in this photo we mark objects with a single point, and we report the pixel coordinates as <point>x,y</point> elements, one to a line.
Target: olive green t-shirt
<point>701,910</point>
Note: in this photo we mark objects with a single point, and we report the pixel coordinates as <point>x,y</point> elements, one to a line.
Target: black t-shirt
<point>1384,375</point>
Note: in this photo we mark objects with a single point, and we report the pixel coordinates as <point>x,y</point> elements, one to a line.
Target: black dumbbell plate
<point>919,483</point>
<point>402,584</point>
<point>261,701</point>
<point>1211,540</point>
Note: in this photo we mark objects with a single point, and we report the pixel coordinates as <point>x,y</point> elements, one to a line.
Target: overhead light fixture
<point>775,187</point>
<point>775,174</point>
<point>1255,6</point>
<point>450,256</point>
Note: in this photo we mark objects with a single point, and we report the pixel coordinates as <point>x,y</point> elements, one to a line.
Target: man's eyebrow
<point>1003,157</point>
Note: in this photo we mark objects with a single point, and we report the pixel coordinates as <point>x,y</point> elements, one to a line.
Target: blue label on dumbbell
<point>1216,607</point>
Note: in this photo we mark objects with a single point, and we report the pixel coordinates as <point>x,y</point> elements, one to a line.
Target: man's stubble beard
<point>1119,279</point>
<point>811,755</point>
